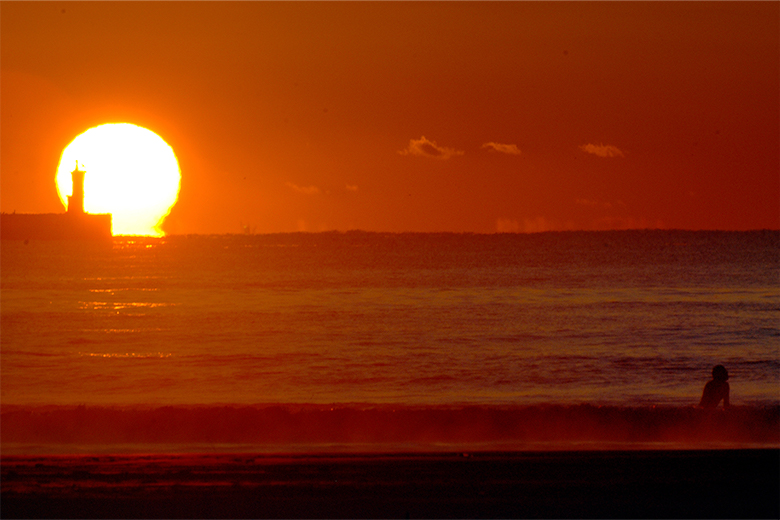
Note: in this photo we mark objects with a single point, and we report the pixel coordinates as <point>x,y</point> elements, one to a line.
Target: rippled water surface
<point>616,318</point>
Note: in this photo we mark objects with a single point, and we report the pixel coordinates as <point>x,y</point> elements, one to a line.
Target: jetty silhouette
<point>74,224</point>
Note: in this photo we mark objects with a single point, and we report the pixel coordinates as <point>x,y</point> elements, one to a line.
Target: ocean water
<point>458,325</point>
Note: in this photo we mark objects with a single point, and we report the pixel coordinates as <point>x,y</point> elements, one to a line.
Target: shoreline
<point>723,483</point>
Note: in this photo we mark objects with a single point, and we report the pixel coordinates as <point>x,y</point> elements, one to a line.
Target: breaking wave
<point>287,428</point>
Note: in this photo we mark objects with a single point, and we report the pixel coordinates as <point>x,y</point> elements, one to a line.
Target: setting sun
<point>131,173</point>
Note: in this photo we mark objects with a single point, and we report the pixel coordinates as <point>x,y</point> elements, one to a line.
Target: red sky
<point>476,117</point>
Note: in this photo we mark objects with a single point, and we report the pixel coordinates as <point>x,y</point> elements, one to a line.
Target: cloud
<point>308,190</point>
<point>537,225</point>
<point>602,150</point>
<point>510,149</point>
<point>595,203</point>
<point>352,187</point>
<point>425,148</point>
<point>586,202</point>
<point>599,204</point>
<point>605,223</point>
<point>532,225</point>
<point>506,225</point>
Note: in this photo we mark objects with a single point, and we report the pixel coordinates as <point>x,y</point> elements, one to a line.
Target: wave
<point>282,428</point>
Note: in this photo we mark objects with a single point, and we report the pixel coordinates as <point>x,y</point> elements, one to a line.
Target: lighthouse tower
<point>76,200</point>
<point>72,225</point>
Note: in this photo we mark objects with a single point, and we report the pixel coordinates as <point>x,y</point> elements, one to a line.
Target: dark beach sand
<point>586,484</point>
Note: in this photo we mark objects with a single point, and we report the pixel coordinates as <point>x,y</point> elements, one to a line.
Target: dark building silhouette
<point>76,200</point>
<point>74,224</point>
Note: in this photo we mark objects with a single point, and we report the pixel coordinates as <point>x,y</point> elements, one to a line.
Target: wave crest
<point>383,428</point>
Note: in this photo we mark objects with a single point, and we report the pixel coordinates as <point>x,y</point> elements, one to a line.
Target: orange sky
<point>477,117</point>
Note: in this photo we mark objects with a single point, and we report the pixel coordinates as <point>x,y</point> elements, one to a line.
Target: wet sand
<point>585,484</point>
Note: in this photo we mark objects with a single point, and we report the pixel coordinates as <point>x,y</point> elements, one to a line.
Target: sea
<point>388,341</point>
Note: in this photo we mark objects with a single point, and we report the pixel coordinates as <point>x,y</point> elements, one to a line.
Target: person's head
<point>719,373</point>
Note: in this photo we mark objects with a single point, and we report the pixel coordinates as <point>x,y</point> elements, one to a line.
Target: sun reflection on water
<point>127,354</point>
<point>121,305</point>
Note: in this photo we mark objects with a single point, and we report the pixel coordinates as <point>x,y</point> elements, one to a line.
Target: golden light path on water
<point>131,172</point>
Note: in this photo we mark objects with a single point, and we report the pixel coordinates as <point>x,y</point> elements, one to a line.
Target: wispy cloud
<point>307,190</point>
<point>532,225</point>
<point>597,203</point>
<point>627,223</point>
<point>426,148</point>
<point>510,149</point>
<point>352,187</point>
<point>507,225</point>
<point>602,150</point>
<point>586,202</point>
<point>537,225</point>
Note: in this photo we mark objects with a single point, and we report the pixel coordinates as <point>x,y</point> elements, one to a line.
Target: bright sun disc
<point>131,173</point>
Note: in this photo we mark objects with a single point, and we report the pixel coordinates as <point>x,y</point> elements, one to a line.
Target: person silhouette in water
<point>716,389</point>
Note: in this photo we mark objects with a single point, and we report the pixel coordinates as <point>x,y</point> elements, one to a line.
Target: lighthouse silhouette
<point>76,199</point>
<point>74,224</point>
